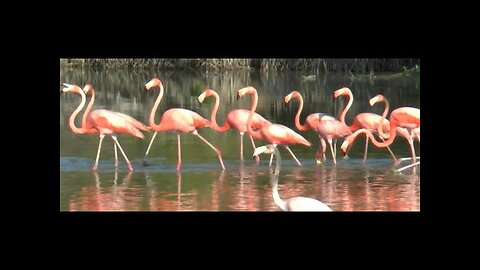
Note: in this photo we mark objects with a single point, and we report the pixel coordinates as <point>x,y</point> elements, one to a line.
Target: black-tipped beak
<point>253,157</point>
<point>238,96</point>
<point>145,88</point>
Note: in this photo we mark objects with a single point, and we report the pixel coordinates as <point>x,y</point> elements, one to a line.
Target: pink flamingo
<point>236,119</point>
<point>407,118</point>
<point>273,133</point>
<point>180,120</point>
<point>326,127</point>
<point>368,121</point>
<point>137,124</point>
<point>104,122</point>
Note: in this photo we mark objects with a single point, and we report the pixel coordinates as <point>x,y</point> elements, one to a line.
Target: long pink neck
<point>380,127</point>
<point>345,110</point>
<point>213,116</point>
<point>87,110</point>
<point>297,116</point>
<point>154,109</point>
<point>71,122</point>
<point>250,116</point>
<point>393,134</point>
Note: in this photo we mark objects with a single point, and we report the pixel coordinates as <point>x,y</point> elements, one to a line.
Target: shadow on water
<point>244,185</point>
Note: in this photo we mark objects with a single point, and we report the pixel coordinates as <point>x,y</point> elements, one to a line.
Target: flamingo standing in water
<point>327,127</point>
<point>368,121</point>
<point>104,122</point>
<point>407,118</point>
<point>295,203</point>
<point>273,133</point>
<point>180,120</point>
<point>236,119</point>
<point>137,124</point>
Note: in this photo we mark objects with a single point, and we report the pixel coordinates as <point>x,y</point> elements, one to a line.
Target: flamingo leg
<point>123,153</point>
<point>257,158</point>
<point>294,157</point>
<point>335,146</point>
<point>333,154</point>
<point>150,144</point>
<point>319,153</point>
<point>179,147</point>
<point>241,145</point>
<point>95,166</point>
<point>366,149</point>
<point>219,154</point>
<point>324,149</point>
<point>410,141</point>
<point>116,155</point>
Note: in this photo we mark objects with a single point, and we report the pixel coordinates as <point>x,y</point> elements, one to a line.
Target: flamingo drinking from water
<point>368,121</point>
<point>403,117</point>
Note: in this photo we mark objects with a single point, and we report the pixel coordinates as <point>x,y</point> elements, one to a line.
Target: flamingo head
<point>376,99</point>
<point>342,92</point>
<point>265,149</point>
<point>152,83</point>
<point>72,88</point>
<point>87,88</point>
<point>292,94</point>
<point>246,90</point>
<point>208,92</point>
<point>345,146</point>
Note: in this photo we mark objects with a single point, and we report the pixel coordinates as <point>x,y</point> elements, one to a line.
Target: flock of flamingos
<point>404,120</point>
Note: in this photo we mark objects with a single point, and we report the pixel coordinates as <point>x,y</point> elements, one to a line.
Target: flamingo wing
<point>108,122</point>
<point>332,129</point>
<point>280,134</point>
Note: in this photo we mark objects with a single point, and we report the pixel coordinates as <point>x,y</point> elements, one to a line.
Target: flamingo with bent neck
<point>295,203</point>
<point>235,119</point>
<point>404,120</point>
<point>179,120</point>
<point>368,121</point>
<point>273,133</point>
<point>326,127</point>
<point>105,122</point>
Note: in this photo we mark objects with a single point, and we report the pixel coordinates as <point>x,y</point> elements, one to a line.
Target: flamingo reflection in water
<point>96,198</point>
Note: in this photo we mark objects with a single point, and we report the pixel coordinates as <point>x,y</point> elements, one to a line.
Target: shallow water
<point>244,186</point>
